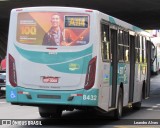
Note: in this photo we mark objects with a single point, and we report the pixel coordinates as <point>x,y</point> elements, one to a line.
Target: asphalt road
<point>150,111</point>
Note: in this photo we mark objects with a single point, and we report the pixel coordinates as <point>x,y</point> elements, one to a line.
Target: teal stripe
<point>111,19</point>
<point>90,100</point>
<point>82,64</point>
<point>61,61</point>
<point>137,29</point>
<point>46,58</point>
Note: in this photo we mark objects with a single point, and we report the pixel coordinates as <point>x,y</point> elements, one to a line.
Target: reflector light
<point>76,94</point>
<point>89,10</point>
<point>51,48</point>
<point>21,92</point>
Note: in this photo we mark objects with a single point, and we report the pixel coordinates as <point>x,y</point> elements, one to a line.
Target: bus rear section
<point>51,62</point>
<point>155,56</point>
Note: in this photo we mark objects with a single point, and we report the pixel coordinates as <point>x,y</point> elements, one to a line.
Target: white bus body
<point>104,67</point>
<point>155,67</point>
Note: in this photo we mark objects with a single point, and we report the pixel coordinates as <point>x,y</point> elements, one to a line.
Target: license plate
<point>50,79</point>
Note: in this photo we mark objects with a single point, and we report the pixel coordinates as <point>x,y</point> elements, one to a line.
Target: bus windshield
<point>53,28</point>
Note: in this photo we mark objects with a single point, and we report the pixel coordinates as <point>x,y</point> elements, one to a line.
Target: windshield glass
<point>53,28</point>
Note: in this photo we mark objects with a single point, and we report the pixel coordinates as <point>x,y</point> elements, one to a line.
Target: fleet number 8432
<point>89,97</point>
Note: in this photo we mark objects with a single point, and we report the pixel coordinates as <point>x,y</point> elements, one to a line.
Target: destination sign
<point>76,21</point>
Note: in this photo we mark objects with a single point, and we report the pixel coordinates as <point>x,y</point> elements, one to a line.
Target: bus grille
<point>49,96</point>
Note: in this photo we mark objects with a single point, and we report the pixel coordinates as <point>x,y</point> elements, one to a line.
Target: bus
<point>155,55</point>
<point>91,61</point>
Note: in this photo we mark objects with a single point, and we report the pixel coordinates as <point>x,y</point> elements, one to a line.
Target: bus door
<point>105,48</point>
<point>113,38</point>
<point>132,67</point>
<point>148,57</point>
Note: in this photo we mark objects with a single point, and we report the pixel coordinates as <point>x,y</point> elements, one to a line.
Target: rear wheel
<point>56,114</point>
<point>50,112</point>
<point>118,111</point>
<point>136,106</point>
<point>44,115</point>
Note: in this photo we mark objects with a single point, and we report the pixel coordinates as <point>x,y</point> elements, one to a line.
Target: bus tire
<point>56,114</point>
<point>44,115</point>
<point>50,112</point>
<point>43,112</point>
<point>118,111</point>
<point>137,105</point>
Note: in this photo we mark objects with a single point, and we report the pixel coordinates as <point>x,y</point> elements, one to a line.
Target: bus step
<point>110,109</point>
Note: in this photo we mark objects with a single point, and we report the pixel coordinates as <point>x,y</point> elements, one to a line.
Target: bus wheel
<point>44,115</point>
<point>50,112</point>
<point>56,114</point>
<point>136,106</point>
<point>118,111</point>
<point>43,112</point>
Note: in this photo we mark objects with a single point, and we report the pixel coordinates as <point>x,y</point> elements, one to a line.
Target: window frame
<point>108,44</point>
<point>123,45</point>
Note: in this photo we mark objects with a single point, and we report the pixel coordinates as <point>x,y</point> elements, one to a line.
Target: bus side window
<point>137,50</point>
<point>141,49</point>
<point>121,48</point>
<point>126,46</point>
<point>105,44</point>
<point>142,55</point>
<point>144,50</point>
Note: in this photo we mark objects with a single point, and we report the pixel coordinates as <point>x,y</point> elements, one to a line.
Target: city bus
<point>155,55</point>
<point>104,66</point>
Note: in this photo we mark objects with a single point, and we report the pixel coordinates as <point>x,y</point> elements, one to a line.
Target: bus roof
<point>111,19</point>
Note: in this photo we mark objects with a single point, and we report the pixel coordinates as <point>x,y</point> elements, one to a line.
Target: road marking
<point>154,106</point>
<point>2,102</point>
<point>149,109</point>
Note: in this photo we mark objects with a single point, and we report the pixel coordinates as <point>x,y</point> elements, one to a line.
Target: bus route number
<point>90,97</point>
<point>76,21</point>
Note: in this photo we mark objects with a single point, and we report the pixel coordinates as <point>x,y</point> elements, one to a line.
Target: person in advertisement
<point>56,36</point>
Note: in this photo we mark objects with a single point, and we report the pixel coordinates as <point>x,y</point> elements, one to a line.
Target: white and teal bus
<point>105,66</point>
<point>155,55</point>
